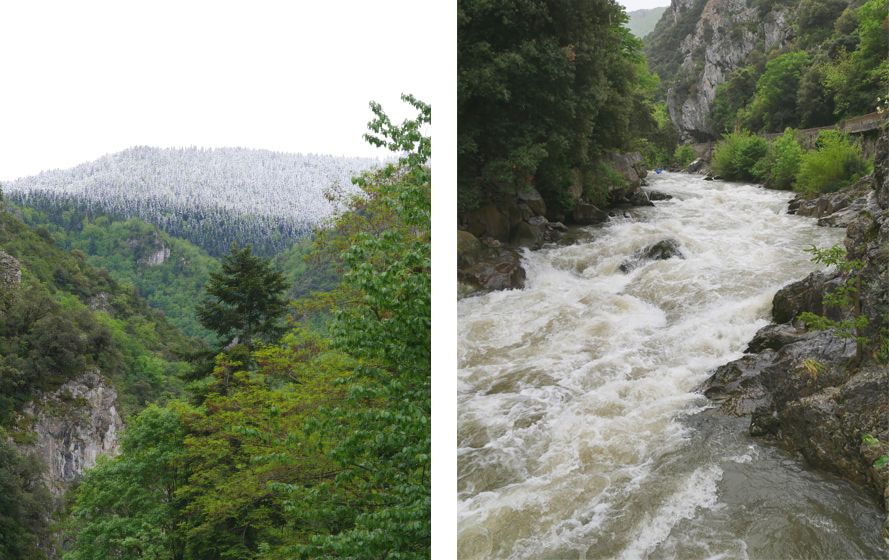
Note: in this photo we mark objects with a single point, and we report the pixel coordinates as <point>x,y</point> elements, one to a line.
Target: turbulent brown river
<point>580,434</point>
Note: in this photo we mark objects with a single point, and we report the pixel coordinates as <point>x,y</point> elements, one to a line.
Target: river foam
<point>573,392</point>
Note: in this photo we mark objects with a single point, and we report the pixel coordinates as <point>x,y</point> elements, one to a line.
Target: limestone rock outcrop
<point>73,426</point>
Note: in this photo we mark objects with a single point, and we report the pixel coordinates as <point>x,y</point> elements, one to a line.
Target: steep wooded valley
<point>219,354</point>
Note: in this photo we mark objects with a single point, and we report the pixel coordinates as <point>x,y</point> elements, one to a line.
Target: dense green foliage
<point>125,249</point>
<point>63,319</point>
<point>24,505</point>
<point>834,69</point>
<point>683,155</point>
<point>735,156</point>
<point>835,163</point>
<point>543,89</point>
<point>316,446</point>
<point>245,299</point>
<point>779,167</point>
<point>67,317</point>
<point>774,103</point>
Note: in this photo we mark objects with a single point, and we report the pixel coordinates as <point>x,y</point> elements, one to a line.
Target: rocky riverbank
<point>814,392</point>
<point>491,237</point>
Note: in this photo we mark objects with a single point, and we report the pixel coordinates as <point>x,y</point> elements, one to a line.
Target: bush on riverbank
<point>684,155</point>
<point>835,163</point>
<point>735,156</point>
<point>778,169</point>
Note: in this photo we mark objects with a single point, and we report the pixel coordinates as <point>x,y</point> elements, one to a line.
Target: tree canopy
<point>245,299</point>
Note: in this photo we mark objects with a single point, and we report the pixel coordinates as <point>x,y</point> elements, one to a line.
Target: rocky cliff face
<point>814,392</point>
<point>10,271</point>
<point>698,43</point>
<point>73,426</point>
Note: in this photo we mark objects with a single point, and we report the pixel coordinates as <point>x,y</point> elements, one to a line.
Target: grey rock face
<point>10,270</point>
<point>157,258</point>
<point>805,295</point>
<point>726,32</point>
<point>74,425</point>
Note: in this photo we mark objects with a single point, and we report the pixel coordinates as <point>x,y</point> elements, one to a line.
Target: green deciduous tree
<point>245,298</point>
<point>774,104</point>
<point>542,89</point>
<point>126,507</point>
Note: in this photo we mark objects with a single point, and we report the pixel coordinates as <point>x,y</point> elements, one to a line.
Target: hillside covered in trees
<point>211,197</point>
<point>642,22</point>
<point>297,429</point>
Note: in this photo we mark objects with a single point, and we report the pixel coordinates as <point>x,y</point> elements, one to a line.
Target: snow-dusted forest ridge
<point>210,196</point>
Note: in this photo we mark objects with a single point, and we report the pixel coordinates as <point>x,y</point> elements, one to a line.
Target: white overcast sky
<point>631,5</point>
<point>86,78</point>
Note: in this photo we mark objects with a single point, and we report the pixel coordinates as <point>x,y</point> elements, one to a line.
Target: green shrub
<point>683,155</point>
<point>737,153</point>
<point>781,164</point>
<point>598,184</point>
<point>834,164</point>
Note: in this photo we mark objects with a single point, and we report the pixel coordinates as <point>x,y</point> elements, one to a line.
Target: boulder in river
<point>488,266</point>
<point>660,251</point>
<point>658,195</point>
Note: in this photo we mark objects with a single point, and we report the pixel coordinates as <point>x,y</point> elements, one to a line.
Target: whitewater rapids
<point>579,434</point>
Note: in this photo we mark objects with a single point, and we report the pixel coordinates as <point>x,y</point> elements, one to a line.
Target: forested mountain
<point>765,65</point>
<point>311,445</point>
<point>170,273</point>
<point>642,22</point>
<point>301,430</point>
<point>211,197</point>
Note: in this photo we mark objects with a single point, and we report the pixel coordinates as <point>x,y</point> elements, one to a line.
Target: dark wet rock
<point>658,195</point>
<point>662,250</point>
<point>696,165</point>
<point>881,171</point>
<point>639,198</point>
<point>775,336</point>
<point>764,382</point>
<point>836,209</point>
<point>532,198</point>
<point>586,214</point>
<point>708,178</point>
<point>526,234</point>
<point>488,221</point>
<point>492,268</point>
<point>469,249</point>
<point>805,295</point>
<point>487,265</point>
